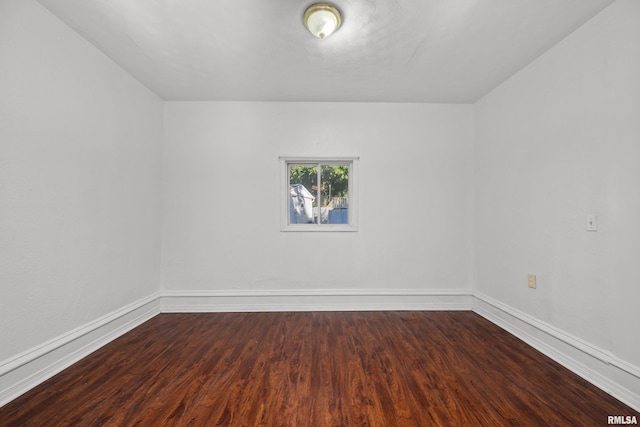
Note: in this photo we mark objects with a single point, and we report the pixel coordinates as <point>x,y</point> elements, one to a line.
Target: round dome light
<point>322,19</point>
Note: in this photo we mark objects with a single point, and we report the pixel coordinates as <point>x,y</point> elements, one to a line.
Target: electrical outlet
<point>592,222</point>
<point>531,281</point>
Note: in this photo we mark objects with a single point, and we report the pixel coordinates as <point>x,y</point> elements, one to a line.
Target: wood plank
<point>315,369</point>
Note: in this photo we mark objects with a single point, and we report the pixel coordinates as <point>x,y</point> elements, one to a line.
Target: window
<point>318,194</point>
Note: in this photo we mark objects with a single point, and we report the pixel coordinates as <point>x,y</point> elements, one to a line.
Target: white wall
<point>558,141</point>
<point>79,181</point>
<point>221,213</point>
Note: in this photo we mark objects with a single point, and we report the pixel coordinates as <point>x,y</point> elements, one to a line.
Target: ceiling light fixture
<point>322,19</point>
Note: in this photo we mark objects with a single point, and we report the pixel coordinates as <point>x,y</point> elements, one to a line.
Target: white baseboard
<point>26,370</point>
<point>598,366</point>
<point>315,300</point>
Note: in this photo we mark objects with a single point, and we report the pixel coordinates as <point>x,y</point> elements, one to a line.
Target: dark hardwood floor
<point>315,369</point>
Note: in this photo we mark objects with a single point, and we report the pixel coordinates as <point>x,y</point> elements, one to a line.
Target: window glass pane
<point>334,197</point>
<point>318,194</point>
<point>303,185</point>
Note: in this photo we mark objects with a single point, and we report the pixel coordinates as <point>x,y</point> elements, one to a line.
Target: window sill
<point>324,228</point>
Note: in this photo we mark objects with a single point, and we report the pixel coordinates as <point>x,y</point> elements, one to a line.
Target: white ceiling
<point>451,51</point>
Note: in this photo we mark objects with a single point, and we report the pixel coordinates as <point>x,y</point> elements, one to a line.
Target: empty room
<point>285,213</point>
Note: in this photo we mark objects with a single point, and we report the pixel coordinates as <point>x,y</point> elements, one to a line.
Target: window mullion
<point>288,196</point>
<point>319,195</point>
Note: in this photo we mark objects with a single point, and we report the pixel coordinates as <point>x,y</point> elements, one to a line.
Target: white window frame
<point>352,224</point>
